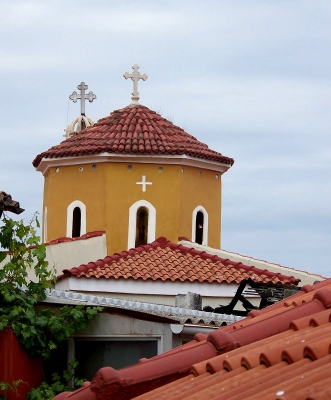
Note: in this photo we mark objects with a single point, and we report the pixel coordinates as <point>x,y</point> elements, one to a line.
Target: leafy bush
<point>5,386</point>
<point>58,385</point>
<point>38,332</point>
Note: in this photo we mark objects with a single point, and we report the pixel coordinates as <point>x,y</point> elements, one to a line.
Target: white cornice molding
<point>149,287</point>
<point>182,160</point>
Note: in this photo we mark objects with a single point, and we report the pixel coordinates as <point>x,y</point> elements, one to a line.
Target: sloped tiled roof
<point>305,276</point>
<point>280,352</point>
<point>133,130</point>
<point>167,261</point>
<point>294,364</point>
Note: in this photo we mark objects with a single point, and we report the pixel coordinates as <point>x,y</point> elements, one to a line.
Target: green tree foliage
<point>58,385</point>
<point>5,386</point>
<point>38,332</point>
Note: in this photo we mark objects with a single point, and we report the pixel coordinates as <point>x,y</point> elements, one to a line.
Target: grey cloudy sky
<point>249,78</point>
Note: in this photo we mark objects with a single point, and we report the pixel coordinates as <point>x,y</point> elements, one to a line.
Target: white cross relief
<point>143,183</point>
<point>82,96</point>
<point>135,76</point>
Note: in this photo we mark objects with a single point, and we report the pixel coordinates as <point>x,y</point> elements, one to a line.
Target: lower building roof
<point>148,310</point>
<point>282,351</point>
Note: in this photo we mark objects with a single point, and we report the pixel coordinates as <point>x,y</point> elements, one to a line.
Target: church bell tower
<point>134,175</point>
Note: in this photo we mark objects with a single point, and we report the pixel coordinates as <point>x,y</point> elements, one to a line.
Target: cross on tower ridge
<point>135,76</point>
<point>143,183</point>
<point>82,96</point>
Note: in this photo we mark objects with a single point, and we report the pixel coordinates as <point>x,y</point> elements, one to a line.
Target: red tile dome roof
<point>133,130</point>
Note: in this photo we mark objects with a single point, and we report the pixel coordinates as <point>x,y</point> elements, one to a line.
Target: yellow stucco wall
<point>201,187</point>
<point>110,189</point>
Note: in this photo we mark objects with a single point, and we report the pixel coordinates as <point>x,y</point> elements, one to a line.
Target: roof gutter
<point>188,329</point>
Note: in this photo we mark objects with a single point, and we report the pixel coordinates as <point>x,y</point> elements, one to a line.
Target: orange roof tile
<point>133,130</point>
<point>167,261</point>
<point>283,355</point>
<point>83,237</point>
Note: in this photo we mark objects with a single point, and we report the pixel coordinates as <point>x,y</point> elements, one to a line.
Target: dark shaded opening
<point>57,362</point>
<point>141,226</point>
<point>199,227</point>
<point>76,222</point>
<point>93,355</point>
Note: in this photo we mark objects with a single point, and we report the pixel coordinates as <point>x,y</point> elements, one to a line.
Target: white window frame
<point>70,210</point>
<point>112,338</point>
<point>133,222</point>
<point>115,338</point>
<point>205,224</point>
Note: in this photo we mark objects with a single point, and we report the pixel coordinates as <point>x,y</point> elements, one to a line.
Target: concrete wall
<point>117,326</point>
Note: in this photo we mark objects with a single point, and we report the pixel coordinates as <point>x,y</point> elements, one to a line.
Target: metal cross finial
<point>82,97</point>
<point>135,76</point>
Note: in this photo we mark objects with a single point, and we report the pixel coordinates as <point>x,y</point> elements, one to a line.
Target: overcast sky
<point>249,78</point>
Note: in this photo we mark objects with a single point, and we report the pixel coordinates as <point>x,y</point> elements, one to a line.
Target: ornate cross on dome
<point>135,76</point>
<point>82,96</point>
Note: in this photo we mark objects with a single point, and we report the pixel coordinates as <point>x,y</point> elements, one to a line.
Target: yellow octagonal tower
<point>136,176</point>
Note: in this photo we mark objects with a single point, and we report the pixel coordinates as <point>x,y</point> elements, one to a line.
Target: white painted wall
<point>71,254</point>
<point>160,292</point>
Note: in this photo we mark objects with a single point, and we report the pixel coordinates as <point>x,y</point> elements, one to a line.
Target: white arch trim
<point>70,210</point>
<point>45,224</point>
<point>205,224</point>
<point>133,218</point>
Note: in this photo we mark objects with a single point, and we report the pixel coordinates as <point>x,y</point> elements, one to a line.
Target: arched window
<point>141,226</point>
<point>76,222</point>
<point>200,226</point>
<point>76,219</point>
<point>142,223</point>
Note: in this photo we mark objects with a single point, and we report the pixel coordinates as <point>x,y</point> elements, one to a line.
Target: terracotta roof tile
<point>282,352</point>
<point>83,237</point>
<point>133,130</point>
<point>164,260</point>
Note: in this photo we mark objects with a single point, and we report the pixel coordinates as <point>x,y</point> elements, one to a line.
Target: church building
<point>134,175</point>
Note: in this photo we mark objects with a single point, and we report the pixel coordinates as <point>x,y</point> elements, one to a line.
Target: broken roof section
<point>8,204</point>
<point>290,339</point>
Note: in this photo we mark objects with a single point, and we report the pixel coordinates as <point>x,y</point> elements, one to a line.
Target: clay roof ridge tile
<point>107,260</point>
<point>194,252</point>
<point>160,242</point>
<point>270,274</point>
<point>183,249</point>
<point>99,263</point>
